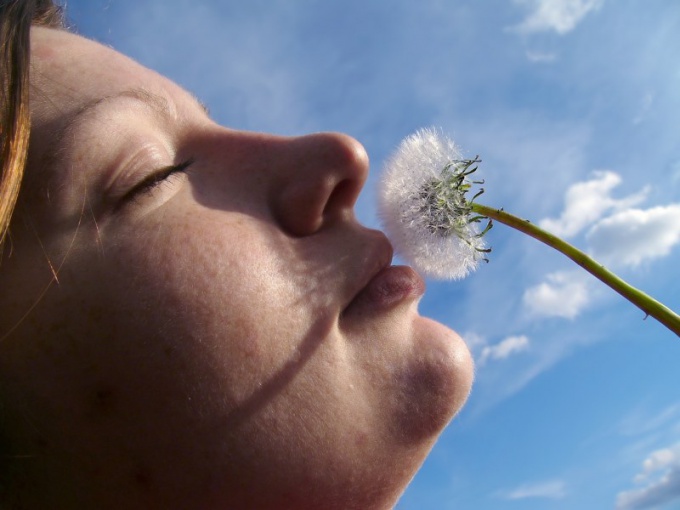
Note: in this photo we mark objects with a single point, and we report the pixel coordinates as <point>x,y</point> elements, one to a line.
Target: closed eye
<point>155,179</point>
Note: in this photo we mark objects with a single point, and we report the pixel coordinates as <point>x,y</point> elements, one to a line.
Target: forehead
<point>69,76</point>
<point>69,72</point>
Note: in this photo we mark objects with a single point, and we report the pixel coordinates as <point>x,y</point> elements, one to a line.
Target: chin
<point>433,385</point>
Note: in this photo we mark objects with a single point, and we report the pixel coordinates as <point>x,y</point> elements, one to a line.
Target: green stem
<point>647,304</point>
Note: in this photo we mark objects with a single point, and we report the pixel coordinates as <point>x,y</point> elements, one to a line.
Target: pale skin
<point>199,344</point>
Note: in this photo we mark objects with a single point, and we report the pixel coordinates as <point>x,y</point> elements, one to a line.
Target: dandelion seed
<point>436,228</point>
<point>424,209</point>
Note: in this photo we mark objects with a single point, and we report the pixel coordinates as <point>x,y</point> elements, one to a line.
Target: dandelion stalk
<point>643,301</point>
<point>438,229</point>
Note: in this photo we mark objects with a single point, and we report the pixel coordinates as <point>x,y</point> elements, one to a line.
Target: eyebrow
<point>156,102</point>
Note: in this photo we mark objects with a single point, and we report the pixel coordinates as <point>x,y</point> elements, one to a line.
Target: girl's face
<point>191,315</point>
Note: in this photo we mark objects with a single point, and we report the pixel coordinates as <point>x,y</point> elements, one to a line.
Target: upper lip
<point>377,257</point>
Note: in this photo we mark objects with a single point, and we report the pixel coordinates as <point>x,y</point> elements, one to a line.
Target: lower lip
<point>389,287</point>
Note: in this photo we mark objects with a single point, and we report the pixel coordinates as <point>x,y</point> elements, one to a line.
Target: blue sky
<point>573,106</point>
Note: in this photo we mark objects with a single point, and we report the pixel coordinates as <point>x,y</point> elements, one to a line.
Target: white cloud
<point>502,350</point>
<point>632,236</point>
<point>659,460</point>
<point>560,16</point>
<point>661,473</point>
<point>563,294</point>
<point>586,202</point>
<point>553,489</point>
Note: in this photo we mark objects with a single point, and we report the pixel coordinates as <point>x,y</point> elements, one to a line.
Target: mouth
<point>384,286</point>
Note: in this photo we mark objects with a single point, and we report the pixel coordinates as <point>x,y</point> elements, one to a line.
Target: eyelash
<point>150,183</point>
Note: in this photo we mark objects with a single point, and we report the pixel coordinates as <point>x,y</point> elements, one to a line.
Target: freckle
<point>169,351</point>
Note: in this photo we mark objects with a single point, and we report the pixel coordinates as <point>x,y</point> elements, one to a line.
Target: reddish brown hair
<point>16,19</point>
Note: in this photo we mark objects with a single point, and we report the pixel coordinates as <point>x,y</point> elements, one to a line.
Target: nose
<point>317,179</point>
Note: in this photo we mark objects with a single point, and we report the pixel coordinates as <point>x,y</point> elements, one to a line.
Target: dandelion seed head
<point>422,211</point>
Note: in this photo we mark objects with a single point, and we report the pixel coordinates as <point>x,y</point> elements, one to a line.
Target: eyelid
<point>153,180</point>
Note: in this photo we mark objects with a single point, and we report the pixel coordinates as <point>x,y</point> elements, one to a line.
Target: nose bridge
<point>319,179</point>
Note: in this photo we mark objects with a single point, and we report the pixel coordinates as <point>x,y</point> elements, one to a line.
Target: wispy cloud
<point>640,421</point>
<point>645,106</point>
<point>503,349</point>
<point>560,16</point>
<point>541,57</point>
<point>587,201</point>
<point>632,236</point>
<point>474,341</point>
<point>515,146</point>
<point>552,489</point>
<point>562,294</point>
<point>660,476</point>
<point>675,171</point>
<point>254,84</point>
<point>502,377</point>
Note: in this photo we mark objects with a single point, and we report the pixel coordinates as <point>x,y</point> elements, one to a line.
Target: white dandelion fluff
<point>424,210</point>
<point>435,227</point>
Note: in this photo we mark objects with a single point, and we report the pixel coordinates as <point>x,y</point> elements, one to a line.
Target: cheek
<point>219,298</point>
<point>211,293</point>
<point>166,332</point>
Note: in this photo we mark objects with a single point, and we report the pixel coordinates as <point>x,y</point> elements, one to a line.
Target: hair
<point>16,19</point>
